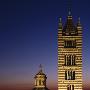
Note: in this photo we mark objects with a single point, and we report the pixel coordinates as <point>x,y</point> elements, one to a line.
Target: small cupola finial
<point>40,66</point>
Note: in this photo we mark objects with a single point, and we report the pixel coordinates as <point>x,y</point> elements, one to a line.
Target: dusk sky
<point>28,38</point>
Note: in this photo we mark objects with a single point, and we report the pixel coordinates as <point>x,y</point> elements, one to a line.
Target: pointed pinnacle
<point>60,23</point>
<point>69,13</point>
<point>79,23</point>
<point>60,20</point>
<point>79,20</point>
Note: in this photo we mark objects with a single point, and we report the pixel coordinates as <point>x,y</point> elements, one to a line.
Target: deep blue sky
<point>28,37</point>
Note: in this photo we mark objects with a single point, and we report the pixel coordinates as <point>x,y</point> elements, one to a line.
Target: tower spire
<point>69,7</point>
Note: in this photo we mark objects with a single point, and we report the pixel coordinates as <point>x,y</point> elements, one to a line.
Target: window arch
<point>70,44</point>
<point>69,75</point>
<point>70,60</point>
<point>39,82</point>
<point>70,87</point>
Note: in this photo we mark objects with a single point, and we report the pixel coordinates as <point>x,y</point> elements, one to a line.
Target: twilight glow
<point>28,37</point>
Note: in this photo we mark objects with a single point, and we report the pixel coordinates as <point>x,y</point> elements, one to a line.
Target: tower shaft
<point>70,56</point>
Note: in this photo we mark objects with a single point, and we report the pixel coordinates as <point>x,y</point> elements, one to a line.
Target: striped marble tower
<point>69,55</point>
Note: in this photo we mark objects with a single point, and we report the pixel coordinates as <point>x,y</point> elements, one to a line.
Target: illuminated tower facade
<point>69,55</point>
<point>40,80</point>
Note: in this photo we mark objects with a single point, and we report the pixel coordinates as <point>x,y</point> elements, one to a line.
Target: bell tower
<point>69,54</point>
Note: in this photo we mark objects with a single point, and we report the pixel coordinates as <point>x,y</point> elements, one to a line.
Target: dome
<point>40,74</point>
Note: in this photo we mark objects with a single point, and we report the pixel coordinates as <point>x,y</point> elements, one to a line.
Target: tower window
<point>70,44</point>
<point>70,60</point>
<point>70,87</point>
<point>43,82</point>
<point>69,75</point>
<point>39,82</point>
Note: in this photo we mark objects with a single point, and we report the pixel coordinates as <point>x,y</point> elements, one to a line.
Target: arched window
<point>70,44</point>
<point>69,75</point>
<point>70,60</point>
<point>70,87</point>
<point>44,82</point>
<point>65,75</point>
<point>73,75</point>
<point>73,59</point>
<point>39,82</point>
